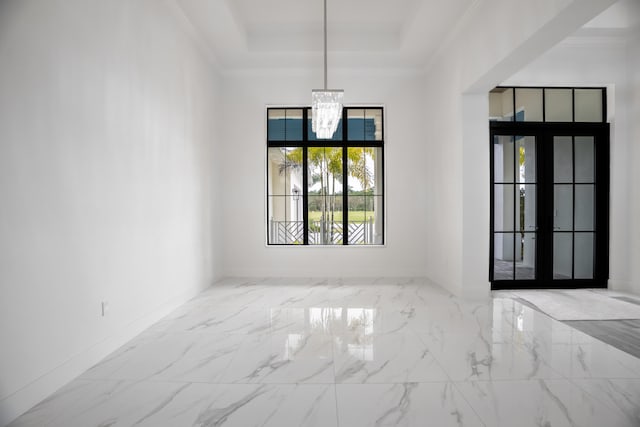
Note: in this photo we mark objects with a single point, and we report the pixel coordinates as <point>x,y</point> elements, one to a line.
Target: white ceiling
<point>288,33</point>
<point>617,21</point>
<point>405,34</point>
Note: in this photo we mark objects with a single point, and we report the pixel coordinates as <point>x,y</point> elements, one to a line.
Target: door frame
<point>544,133</point>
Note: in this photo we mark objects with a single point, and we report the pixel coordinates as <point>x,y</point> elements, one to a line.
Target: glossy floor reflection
<point>357,352</point>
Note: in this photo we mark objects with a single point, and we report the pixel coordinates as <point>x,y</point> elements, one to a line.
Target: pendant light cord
<point>325,44</point>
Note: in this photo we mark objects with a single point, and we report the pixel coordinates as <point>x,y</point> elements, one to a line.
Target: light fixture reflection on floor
<point>326,104</point>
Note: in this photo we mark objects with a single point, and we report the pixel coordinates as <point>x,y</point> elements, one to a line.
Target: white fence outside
<point>320,232</point>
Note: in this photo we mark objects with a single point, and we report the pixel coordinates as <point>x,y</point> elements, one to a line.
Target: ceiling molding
<point>288,33</point>
<point>194,34</point>
<point>279,34</point>
<point>452,35</point>
<point>596,40</point>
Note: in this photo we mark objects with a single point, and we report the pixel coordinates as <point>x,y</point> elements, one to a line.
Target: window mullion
<point>305,178</point>
<point>305,195</point>
<point>345,201</point>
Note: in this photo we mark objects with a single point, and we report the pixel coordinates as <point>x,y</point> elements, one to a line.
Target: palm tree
<point>358,169</point>
<point>327,166</point>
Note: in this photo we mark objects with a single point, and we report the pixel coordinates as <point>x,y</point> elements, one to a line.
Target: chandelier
<point>326,104</point>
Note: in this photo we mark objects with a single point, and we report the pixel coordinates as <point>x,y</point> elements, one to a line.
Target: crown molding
<point>195,35</point>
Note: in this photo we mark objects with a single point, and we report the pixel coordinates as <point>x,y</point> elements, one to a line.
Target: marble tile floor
<point>622,334</point>
<point>351,352</point>
<point>579,304</point>
<point>601,315</point>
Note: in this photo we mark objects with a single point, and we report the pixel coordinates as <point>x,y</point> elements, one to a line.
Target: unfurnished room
<point>319,213</point>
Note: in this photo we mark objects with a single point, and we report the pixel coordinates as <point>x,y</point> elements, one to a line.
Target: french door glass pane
<point>583,258</point>
<point>562,255</point>
<point>526,158</point>
<point>503,159</point>
<point>562,159</point>
<point>514,207</point>
<point>585,159</point>
<point>526,208</point>
<point>526,261</point>
<point>563,207</point>
<point>503,256</point>
<point>504,207</point>
<point>585,207</point>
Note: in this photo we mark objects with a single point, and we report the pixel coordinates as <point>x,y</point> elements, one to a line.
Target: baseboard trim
<point>16,404</point>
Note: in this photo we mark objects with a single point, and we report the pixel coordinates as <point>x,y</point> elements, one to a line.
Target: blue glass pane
<point>362,129</point>
<point>364,124</point>
<point>293,129</point>
<point>276,130</point>
<point>284,125</point>
<point>285,129</point>
<point>369,129</point>
<point>337,136</point>
<point>356,129</point>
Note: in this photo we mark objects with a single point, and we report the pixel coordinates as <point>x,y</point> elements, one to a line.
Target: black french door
<point>549,205</point>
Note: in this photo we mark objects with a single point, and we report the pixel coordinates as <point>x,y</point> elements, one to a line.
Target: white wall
<point>247,94</point>
<point>633,73</point>
<point>492,41</point>
<point>107,118</point>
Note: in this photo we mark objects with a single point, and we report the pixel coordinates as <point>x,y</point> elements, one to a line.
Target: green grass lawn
<point>357,216</point>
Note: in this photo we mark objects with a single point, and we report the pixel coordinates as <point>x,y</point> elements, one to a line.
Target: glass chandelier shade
<point>326,111</point>
<point>326,104</point>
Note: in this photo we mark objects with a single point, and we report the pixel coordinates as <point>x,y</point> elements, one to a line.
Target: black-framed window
<point>548,104</point>
<point>325,191</point>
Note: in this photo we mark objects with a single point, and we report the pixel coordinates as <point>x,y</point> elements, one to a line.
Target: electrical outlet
<point>105,308</point>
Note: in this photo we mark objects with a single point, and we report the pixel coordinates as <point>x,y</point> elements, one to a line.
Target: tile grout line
<point>335,385</point>
<point>450,380</point>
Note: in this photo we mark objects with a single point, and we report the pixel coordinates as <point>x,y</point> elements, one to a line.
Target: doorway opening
<point>549,188</point>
